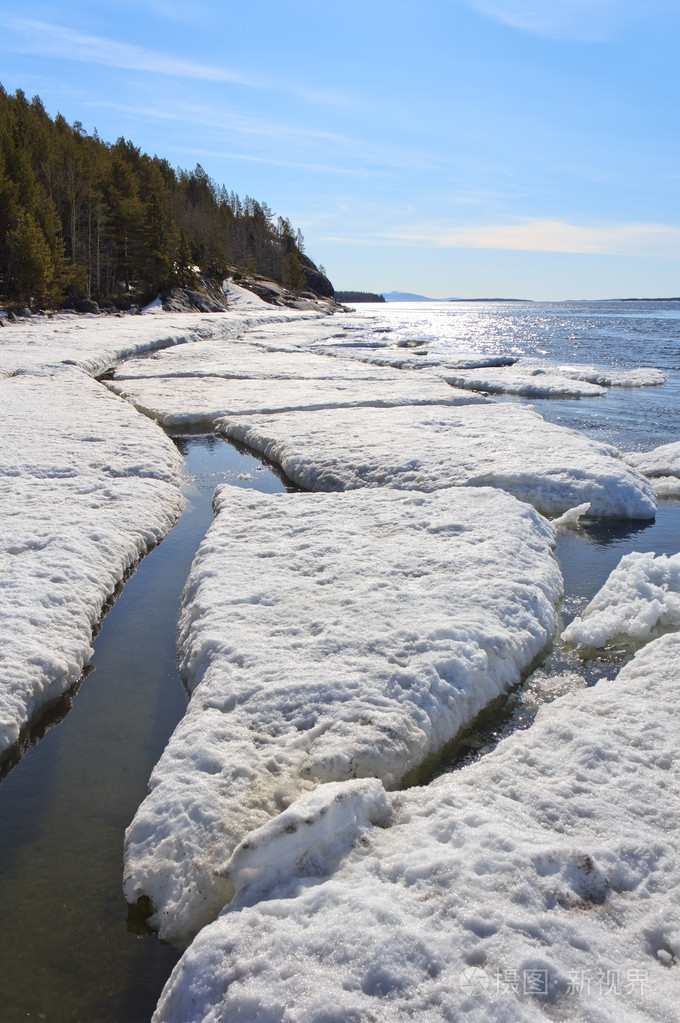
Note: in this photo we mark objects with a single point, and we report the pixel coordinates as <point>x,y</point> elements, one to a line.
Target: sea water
<point>608,335</point>
<point>622,335</point>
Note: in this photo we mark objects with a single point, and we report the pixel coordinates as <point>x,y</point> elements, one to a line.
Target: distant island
<point>408,296</point>
<point>358,296</point>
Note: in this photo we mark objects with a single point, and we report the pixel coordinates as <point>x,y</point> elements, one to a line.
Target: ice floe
<point>500,445</point>
<point>539,883</point>
<point>326,637</point>
<point>666,486</point>
<point>572,517</point>
<point>87,487</point>
<point>175,401</point>
<point>661,461</point>
<point>399,358</point>
<point>642,377</point>
<point>532,383</point>
<point>244,359</point>
<point>640,596</point>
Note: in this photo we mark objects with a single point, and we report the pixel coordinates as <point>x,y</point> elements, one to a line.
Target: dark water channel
<point>67,951</point>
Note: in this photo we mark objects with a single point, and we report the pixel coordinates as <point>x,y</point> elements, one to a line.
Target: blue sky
<point>523,148</point>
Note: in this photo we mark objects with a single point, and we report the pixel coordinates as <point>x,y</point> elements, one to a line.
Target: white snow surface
<point>501,445</point>
<point>645,376</point>
<point>327,637</point>
<point>246,359</point>
<point>532,383</point>
<point>240,298</point>
<point>541,883</point>
<point>175,401</point>
<point>88,485</point>
<point>571,518</point>
<point>661,461</point>
<point>666,486</point>
<point>640,596</point>
<point>98,342</point>
<point>403,358</point>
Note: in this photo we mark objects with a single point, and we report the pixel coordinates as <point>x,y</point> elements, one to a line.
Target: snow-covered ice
<point>571,518</point>
<point>541,883</point>
<point>402,358</point>
<point>245,359</point>
<point>531,383</point>
<point>175,401</point>
<point>661,461</point>
<point>326,637</point>
<point>640,596</point>
<point>645,376</point>
<point>87,487</point>
<point>666,486</point>
<point>501,445</point>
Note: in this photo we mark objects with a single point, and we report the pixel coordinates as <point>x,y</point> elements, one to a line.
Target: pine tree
<point>32,266</point>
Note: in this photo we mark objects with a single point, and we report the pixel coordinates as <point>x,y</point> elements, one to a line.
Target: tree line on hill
<point>358,296</point>
<point>80,218</point>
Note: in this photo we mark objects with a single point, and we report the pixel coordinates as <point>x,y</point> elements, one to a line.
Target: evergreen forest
<point>81,218</point>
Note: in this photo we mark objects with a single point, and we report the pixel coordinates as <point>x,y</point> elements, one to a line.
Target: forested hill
<point>80,218</point>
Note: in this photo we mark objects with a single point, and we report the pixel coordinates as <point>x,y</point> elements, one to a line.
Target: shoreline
<point>269,337</point>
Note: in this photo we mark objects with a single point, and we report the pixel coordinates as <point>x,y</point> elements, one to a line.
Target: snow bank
<point>398,358</point>
<point>189,400</point>
<point>240,298</point>
<point>666,486</point>
<point>310,837</point>
<point>327,637</point>
<point>500,445</point>
<point>87,487</point>
<point>661,461</point>
<point>532,383</point>
<point>643,377</point>
<point>95,343</point>
<point>240,359</point>
<point>538,884</point>
<point>641,595</point>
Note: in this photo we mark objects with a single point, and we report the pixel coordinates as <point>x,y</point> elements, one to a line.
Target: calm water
<point>609,334</point>
<point>67,949</point>
<point>606,334</point>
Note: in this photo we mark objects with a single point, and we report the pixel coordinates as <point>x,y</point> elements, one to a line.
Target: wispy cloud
<point>56,41</point>
<point>286,144</point>
<point>45,39</point>
<point>584,20</point>
<point>543,235</point>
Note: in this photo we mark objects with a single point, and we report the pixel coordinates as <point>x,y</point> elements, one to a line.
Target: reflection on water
<point>66,953</point>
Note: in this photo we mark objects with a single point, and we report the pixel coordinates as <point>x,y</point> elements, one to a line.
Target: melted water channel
<point>66,953</point>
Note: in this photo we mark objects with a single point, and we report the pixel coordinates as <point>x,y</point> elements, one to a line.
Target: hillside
<point>82,218</point>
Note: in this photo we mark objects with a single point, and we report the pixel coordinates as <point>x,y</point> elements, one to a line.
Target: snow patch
<point>327,637</point>
<point>310,838</point>
<point>641,595</point>
<point>530,383</point>
<point>661,461</point>
<point>642,377</point>
<point>493,894</point>
<point>501,445</point>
